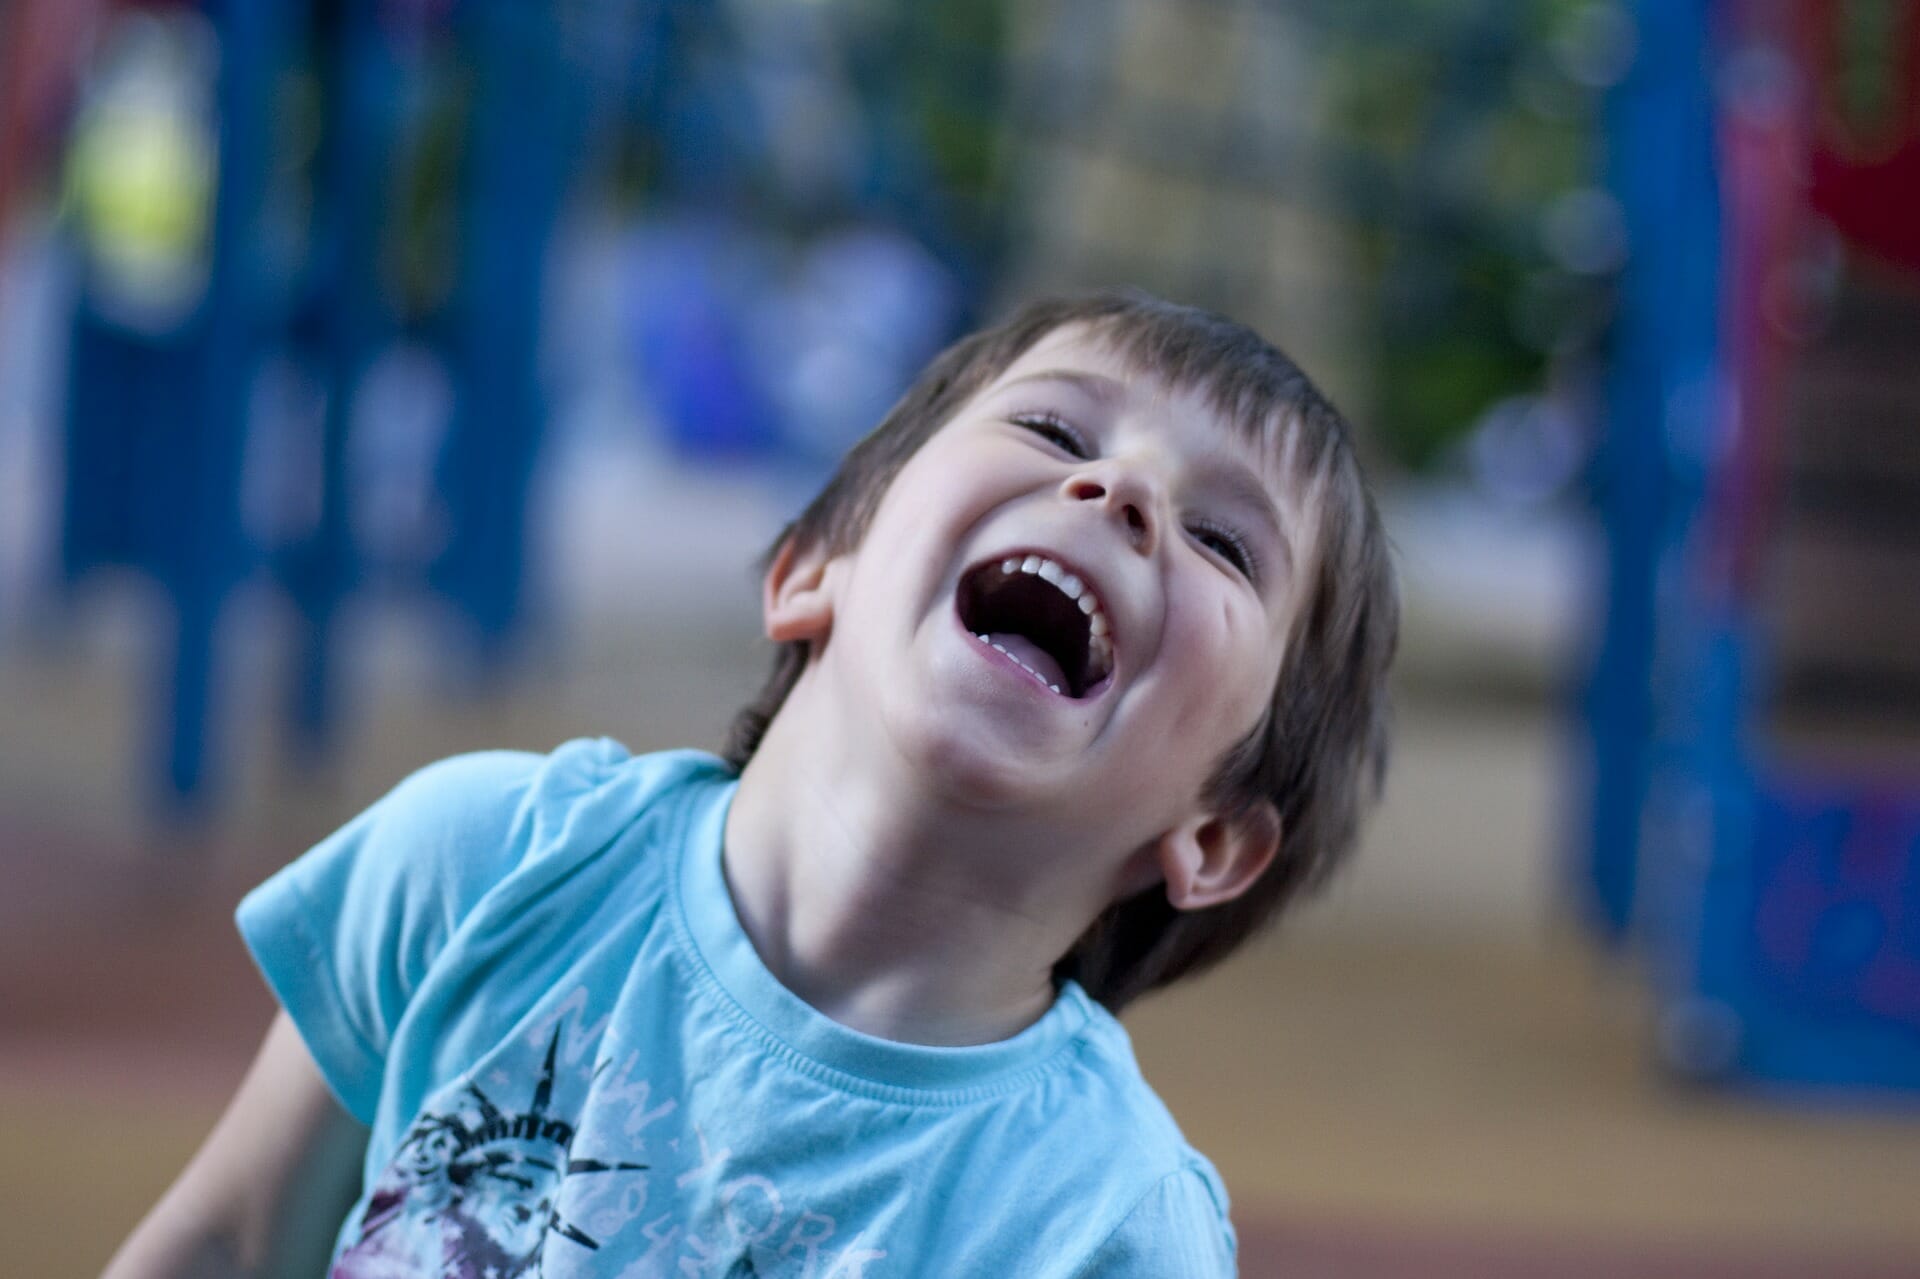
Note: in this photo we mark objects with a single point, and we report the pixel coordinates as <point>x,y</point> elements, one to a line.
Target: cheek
<point>1238,662</point>
<point>927,501</point>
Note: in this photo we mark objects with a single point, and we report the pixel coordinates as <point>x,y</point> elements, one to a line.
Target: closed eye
<point>1229,546</point>
<point>1055,430</point>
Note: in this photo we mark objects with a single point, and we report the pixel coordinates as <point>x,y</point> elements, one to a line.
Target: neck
<point>884,906</point>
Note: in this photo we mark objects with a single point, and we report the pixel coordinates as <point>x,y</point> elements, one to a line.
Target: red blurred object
<point>1864,174</point>
<point>42,43</point>
<point>1796,141</point>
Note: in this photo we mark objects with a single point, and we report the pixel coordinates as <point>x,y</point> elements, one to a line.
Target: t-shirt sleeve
<point>1178,1230</point>
<point>345,933</point>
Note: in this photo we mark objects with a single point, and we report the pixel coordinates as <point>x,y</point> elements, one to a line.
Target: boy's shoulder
<point>571,770</point>
<point>1115,1160</point>
<point>582,789</point>
<point>1127,1101</point>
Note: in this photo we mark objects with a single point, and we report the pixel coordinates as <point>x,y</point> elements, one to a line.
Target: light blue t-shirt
<point>525,974</point>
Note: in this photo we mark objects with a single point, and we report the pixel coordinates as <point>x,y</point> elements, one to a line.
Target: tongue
<point>1032,656</point>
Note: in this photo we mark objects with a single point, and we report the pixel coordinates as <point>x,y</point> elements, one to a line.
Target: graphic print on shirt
<point>473,1192</point>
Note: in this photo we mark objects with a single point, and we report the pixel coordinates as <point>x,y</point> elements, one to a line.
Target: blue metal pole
<point>1660,398</point>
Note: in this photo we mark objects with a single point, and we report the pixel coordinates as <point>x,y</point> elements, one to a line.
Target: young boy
<point>1079,679</point>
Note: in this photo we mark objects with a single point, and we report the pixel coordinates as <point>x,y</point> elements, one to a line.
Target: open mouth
<point>1043,617</point>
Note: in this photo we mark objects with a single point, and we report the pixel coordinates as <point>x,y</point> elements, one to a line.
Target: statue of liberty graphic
<point>474,1193</point>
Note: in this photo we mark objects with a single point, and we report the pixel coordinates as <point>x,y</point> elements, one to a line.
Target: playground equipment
<point>188,290</point>
<point>273,206</point>
<point>1753,711</point>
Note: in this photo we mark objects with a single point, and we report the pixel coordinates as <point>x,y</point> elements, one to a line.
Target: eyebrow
<point>1094,385</point>
<point>1245,488</point>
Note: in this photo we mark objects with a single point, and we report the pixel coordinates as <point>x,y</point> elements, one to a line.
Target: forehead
<point>1075,348</point>
<point>1081,362</point>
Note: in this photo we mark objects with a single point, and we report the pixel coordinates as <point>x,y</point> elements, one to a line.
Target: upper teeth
<point>1100,641</point>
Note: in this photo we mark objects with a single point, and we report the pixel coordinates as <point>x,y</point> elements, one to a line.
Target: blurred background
<point>381,379</point>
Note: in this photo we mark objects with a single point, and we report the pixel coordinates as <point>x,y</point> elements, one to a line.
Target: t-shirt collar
<point>706,907</point>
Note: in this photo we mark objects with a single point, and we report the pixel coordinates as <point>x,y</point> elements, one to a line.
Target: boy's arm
<point>268,1190</point>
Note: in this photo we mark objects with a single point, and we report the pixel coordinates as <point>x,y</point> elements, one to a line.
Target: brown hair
<point>1319,753</point>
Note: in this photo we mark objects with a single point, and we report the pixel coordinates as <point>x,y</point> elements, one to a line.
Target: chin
<point>962,757</point>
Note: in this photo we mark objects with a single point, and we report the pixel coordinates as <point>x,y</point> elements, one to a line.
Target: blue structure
<point>1779,908</point>
<point>483,110</point>
<point>524,142</point>
<point>158,418</point>
<point>1661,407</point>
<point>342,319</point>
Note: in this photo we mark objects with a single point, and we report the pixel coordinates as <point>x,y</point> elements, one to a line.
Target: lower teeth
<point>1016,661</point>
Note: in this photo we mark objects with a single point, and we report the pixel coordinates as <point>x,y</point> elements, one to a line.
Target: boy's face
<point>1182,546</point>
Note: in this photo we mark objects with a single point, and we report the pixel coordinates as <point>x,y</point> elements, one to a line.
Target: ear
<point>1212,858</point>
<point>795,603</point>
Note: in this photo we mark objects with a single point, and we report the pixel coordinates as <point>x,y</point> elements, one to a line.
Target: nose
<point>1125,496</point>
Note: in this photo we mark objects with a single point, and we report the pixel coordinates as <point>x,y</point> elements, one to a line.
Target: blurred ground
<point>1430,1074</point>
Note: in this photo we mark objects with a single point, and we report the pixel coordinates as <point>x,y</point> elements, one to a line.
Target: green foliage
<point>1872,36</point>
<point>1462,123</point>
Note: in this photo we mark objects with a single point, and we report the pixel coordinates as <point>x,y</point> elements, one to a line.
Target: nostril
<point>1136,524</point>
<point>1089,490</point>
